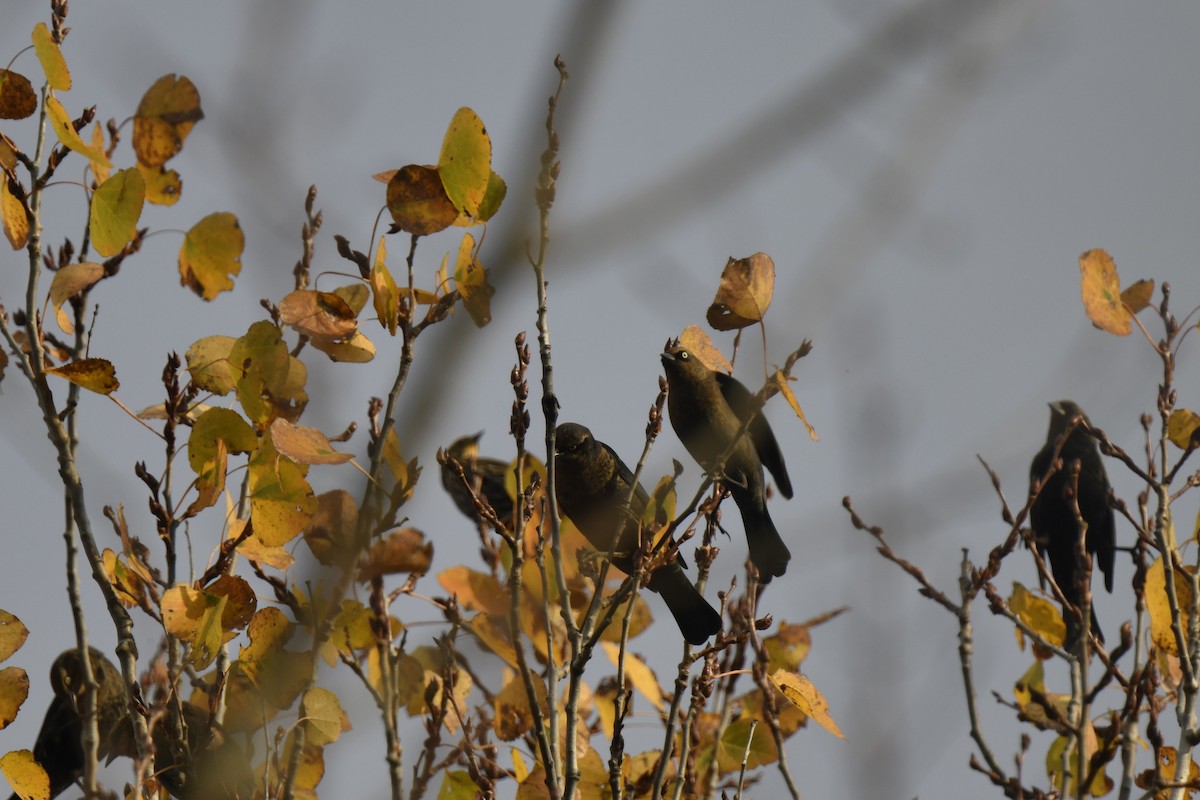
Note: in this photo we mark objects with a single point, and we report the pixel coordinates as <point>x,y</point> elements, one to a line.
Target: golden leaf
<point>358,349</point>
<point>471,279</point>
<point>385,293</point>
<point>13,217</point>
<point>25,775</point>
<point>744,294</point>
<point>1038,613</point>
<point>12,634</point>
<point>68,282</point>
<point>14,689</point>
<point>1101,289</point>
<point>800,691</point>
<point>640,675</point>
<point>781,382</point>
<point>698,343</point>
<point>1158,605</point>
<point>475,590</point>
<point>164,118</point>
<point>93,374</point>
<point>64,129</point>
<point>1181,427</point>
<point>163,186</point>
<point>58,77</point>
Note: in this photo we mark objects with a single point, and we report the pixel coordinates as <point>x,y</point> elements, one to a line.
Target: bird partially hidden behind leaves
<point>707,409</point>
<point>487,474</point>
<point>1055,523</point>
<point>192,770</point>
<point>591,486</point>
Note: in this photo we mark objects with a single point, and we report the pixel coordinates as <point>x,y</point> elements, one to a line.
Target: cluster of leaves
<point>1154,665</point>
<point>533,616</point>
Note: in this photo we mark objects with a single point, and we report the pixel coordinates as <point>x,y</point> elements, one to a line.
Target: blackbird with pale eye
<point>592,485</point>
<point>707,409</point>
<point>58,747</point>
<point>1056,525</point>
<point>487,474</point>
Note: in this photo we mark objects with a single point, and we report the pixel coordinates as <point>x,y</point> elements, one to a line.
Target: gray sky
<point>923,174</point>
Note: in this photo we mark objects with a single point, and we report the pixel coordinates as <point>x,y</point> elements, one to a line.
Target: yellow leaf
<point>385,293</point>
<point>1181,427</point>
<point>12,634</point>
<point>465,162</point>
<point>800,691</point>
<point>68,282</point>
<point>305,445</point>
<point>266,386</point>
<point>1137,295</point>
<point>512,713</point>
<point>58,77</point>
<point>471,279</point>
<point>281,500</point>
<point>640,675</point>
<point>457,785</point>
<point>787,648</point>
<point>12,214</point>
<point>1038,613</point>
<point>1101,289</point>
<point>208,364</point>
<point>323,717</point>
<point>25,775</point>
<point>17,98</point>
<point>215,434</point>
<point>698,343</point>
<point>1158,605</point>
<point>93,374</point>
<point>211,254</point>
<point>494,637</point>
<point>747,285</point>
<point>475,590</point>
<point>358,349</point>
<point>520,768</point>
<point>782,383</point>
<point>64,129</point>
<point>14,688</point>
<point>163,186</point>
<point>116,209</point>
<point>417,201</point>
<point>164,118</point>
<point>404,550</point>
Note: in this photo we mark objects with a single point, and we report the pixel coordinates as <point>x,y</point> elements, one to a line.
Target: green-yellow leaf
<point>465,164</point>
<point>281,500</point>
<point>323,716</point>
<point>116,209</point>
<point>457,785</point>
<point>93,374</point>
<point>209,365</point>
<point>211,254</point>
<point>53,64</point>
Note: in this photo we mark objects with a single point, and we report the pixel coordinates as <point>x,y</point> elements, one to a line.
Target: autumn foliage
<point>510,691</point>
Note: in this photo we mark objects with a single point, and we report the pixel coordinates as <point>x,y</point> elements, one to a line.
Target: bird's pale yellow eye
<point>684,355</point>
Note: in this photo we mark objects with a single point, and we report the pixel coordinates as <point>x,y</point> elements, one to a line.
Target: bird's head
<point>678,360</point>
<point>572,439</point>
<point>465,448</point>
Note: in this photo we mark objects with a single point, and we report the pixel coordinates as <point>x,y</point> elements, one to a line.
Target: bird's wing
<point>640,498</point>
<point>741,401</point>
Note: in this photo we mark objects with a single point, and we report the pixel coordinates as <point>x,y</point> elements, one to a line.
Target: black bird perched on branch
<point>707,410</point>
<point>58,747</point>
<point>1054,519</point>
<point>485,473</point>
<point>592,485</point>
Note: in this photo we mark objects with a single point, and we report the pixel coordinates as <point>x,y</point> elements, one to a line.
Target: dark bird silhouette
<point>58,747</point>
<point>592,485</point>
<point>189,767</point>
<point>1056,528</point>
<point>707,410</point>
<point>487,474</point>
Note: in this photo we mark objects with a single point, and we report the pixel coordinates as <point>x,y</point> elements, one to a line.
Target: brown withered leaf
<point>417,201</point>
<point>404,550</point>
<point>320,315</point>
<point>164,118</point>
<point>17,98</point>
<point>747,285</point>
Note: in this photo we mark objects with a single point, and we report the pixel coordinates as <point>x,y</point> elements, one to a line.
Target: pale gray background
<point>924,175</point>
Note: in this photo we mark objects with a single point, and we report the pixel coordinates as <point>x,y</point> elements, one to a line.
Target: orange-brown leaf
<point>417,201</point>
<point>747,285</point>
<point>404,550</point>
<point>17,98</point>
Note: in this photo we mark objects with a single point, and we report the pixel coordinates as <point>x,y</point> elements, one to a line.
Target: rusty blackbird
<point>487,474</point>
<point>592,485</point>
<point>1055,523</point>
<point>707,409</point>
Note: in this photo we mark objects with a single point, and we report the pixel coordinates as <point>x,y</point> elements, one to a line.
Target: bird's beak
<point>668,356</point>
